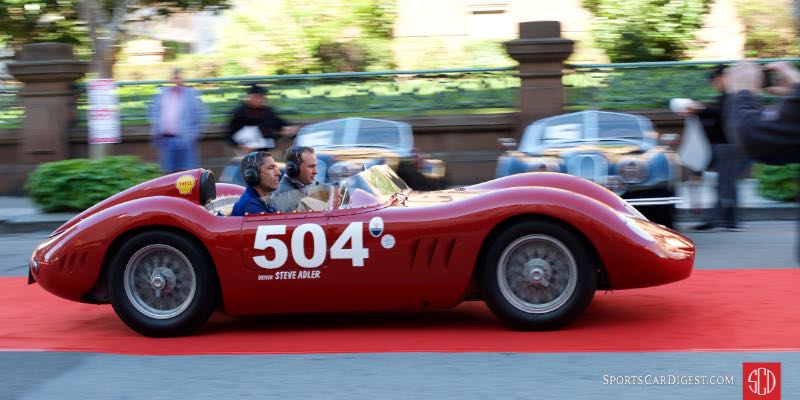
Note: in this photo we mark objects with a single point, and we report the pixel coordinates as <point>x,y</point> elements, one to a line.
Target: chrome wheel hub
<point>537,272</point>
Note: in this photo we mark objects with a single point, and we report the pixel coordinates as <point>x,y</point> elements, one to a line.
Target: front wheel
<point>162,284</point>
<point>538,276</point>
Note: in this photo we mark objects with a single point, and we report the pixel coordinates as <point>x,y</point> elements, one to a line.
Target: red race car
<point>534,246</point>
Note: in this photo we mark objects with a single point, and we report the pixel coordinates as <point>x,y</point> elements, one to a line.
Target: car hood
<point>421,199</point>
<point>612,152</point>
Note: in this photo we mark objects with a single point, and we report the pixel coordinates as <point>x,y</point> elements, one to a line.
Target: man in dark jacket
<point>255,125</point>
<point>726,159</point>
<point>261,174</point>
<point>770,135</point>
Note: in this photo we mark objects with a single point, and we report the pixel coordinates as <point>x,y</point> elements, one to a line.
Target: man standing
<point>726,159</point>
<point>301,167</point>
<point>261,173</point>
<point>264,125</point>
<point>770,135</point>
<point>177,118</point>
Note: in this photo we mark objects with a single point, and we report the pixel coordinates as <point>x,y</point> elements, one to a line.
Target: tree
<point>646,30</point>
<point>770,31</point>
<point>98,24</point>
<point>300,36</point>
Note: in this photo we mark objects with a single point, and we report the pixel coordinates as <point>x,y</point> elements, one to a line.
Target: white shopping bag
<point>250,136</point>
<point>694,150</point>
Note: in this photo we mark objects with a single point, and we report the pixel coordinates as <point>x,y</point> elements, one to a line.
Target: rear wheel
<point>162,284</point>
<point>538,276</point>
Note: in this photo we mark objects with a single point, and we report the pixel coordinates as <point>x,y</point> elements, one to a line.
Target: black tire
<point>161,284</point>
<point>555,276</point>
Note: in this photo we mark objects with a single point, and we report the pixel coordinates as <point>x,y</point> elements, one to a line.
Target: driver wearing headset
<point>261,174</point>
<point>301,167</point>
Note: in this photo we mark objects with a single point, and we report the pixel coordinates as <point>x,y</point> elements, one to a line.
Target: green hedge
<point>777,183</point>
<point>75,185</point>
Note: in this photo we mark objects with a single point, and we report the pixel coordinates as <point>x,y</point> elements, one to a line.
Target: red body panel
<point>429,263</point>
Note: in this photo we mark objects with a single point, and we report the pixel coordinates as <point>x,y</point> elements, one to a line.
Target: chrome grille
<point>589,166</point>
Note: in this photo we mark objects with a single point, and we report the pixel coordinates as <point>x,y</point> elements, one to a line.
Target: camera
<point>770,78</point>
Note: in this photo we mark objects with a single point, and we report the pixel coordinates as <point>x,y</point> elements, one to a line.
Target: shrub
<point>646,30</point>
<point>77,184</point>
<point>770,29</point>
<point>777,182</point>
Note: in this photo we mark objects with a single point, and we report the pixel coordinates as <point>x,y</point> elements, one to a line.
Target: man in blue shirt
<point>178,118</point>
<point>262,175</point>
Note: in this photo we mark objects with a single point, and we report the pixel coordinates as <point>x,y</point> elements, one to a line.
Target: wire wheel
<point>159,281</point>
<point>537,274</point>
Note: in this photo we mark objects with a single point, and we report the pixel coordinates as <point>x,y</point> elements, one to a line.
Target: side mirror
<point>507,144</point>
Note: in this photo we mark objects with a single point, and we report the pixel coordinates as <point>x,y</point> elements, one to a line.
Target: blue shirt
<point>250,203</point>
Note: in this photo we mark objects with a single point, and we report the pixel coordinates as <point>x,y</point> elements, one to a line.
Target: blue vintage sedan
<point>619,151</point>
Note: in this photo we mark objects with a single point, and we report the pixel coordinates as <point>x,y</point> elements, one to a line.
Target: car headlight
<point>344,169</point>
<point>632,170</point>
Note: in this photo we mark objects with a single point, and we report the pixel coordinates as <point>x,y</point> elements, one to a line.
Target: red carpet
<point>724,310</point>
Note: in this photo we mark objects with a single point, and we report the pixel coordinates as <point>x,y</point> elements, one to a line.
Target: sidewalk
<point>19,214</point>
<point>752,207</point>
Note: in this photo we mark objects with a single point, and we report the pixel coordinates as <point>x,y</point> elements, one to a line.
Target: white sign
<point>103,111</point>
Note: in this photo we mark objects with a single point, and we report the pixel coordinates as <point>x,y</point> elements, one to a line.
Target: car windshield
<point>586,126</point>
<point>355,132</point>
<point>372,187</point>
<point>376,185</point>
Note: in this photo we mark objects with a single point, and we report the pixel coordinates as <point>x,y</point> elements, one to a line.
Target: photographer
<point>769,135</point>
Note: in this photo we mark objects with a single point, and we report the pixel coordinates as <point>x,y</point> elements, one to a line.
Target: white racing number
<point>262,243</point>
<point>354,233</point>
<point>357,252</point>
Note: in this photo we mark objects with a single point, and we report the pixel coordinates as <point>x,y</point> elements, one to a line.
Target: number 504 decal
<point>354,234</point>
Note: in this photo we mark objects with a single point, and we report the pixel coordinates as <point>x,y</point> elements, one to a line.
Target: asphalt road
<point>41,375</point>
<point>45,376</point>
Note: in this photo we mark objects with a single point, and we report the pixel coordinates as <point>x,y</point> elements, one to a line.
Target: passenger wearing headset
<point>301,167</point>
<point>261,174</point>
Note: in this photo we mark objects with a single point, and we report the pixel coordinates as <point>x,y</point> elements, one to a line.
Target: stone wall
<point>467,143</point>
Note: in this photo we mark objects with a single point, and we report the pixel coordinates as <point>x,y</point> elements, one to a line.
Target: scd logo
<point>761,381</point>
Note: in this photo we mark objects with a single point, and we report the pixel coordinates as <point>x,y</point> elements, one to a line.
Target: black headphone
<point>293,160</point>
<point>251,168</point>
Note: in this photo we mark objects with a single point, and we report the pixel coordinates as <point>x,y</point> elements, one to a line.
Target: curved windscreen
<point>371,187</point>
<point>380,182</point>
<point>586,126</point>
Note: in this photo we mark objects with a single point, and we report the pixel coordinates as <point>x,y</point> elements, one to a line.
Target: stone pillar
<point>48,71</point>
<point>540,52</point>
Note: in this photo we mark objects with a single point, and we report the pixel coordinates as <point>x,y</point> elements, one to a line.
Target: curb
<point>779,212</point>
<point>33,223</point>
